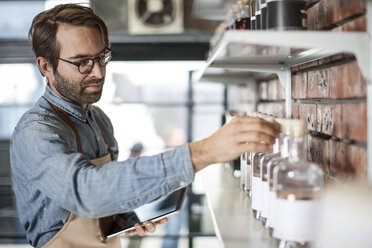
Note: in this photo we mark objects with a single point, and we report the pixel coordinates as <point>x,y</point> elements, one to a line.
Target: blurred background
<point>149,95</point>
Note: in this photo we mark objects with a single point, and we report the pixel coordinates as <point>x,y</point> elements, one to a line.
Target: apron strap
<point>68,121</point>
<point>105,138</point>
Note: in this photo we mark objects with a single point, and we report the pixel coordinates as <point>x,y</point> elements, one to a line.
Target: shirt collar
<point>69,107</point>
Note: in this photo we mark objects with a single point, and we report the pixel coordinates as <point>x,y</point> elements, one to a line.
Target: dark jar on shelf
<point>286,14</point>
<point>258,14</point>
<point>253,14</point>
<point>263,14</point>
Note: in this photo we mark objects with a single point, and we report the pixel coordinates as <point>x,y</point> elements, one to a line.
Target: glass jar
<point>297,184</point>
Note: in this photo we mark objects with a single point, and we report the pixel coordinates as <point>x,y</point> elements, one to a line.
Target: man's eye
<point>84,62</point>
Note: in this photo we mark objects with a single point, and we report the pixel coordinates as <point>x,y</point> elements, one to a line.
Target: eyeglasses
<point>85,66</point>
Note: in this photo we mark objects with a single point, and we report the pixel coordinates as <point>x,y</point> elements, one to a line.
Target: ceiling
<point>200,18</point>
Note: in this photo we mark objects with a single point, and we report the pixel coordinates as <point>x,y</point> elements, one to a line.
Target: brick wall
<point>330,95</point>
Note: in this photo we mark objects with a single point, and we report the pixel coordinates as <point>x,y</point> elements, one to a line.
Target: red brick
<point>357,25</point>
<point>295,108</point>
<point>328,13</point>
<point>331,181</point>
<point>318,83</point>
<point>262,90</point>
<point>319,116</point>
<point>342,9</point>
<point>272,90</point>
<point>318,152</point>
<point>276,108</point>
<point>329,120</point>
<point>338,163</point>
<point>280,90</point>
<point>333,58</point>
<point>308,65</point>
<point>354,121</point>
<point>348,161</point>
<point>299,86</point>
<point>358,159</point>
<point>308,112</point>
<point>337,127</point>
<point>295,68</point>
<point>346,81</point>
<point>319,16</point>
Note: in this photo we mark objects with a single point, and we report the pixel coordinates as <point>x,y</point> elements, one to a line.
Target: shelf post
<point>369,95</point>
<point>285,77</point>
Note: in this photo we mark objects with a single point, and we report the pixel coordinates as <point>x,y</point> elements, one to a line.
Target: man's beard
<point>74,91</point>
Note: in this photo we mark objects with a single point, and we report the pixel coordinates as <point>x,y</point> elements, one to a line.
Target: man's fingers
<point>130,233</point>
<point>162,221</point>
<point>150,227</point>
<point>245,124</point>
<point>256,137</point>
<point>139,229</point>
<point>256,147</point>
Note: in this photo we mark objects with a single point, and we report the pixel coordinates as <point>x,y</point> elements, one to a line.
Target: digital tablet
<point>153,211</point>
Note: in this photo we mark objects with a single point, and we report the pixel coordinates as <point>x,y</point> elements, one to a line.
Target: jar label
<point>296,220</point>
<point>256,193</point>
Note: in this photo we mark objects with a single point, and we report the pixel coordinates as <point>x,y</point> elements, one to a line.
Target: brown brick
<point>299,86</point>
<point>358,159</point>
<point>308,65</point>
<point>295,108</point>
<point>319,116</point>
<point>319,16</point>
<point>348,161</point>
<point>328,13</point>
<point>318,83</point>
<point>329,119</point>
<point>308,112</point>
<point>333,58</point>
<point>337,127</point>
<point>295,68</point>
<point>310,17</point>
<point>272,90</point>
<point>338,163</point>
<point>262,90</point>
<point>331,181</point>
<point>342,9</point>
<point>354,121</point>
<point>346,81</point>
<point>356,25</point>
<point>318,152</point>
<point>276,108</point>
<point>280,90</point>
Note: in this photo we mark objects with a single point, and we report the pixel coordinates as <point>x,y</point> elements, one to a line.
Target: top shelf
<point>249,53</point>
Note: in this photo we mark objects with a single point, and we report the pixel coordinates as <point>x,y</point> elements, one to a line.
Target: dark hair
<point>44,28</point>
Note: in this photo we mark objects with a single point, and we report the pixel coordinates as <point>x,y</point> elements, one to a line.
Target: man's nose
<point>97,70</point>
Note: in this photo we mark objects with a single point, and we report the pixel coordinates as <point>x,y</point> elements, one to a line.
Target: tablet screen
<point>152,211</point>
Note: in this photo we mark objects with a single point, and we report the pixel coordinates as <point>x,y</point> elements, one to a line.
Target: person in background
<point>136,150</point>
<point>66,178</point>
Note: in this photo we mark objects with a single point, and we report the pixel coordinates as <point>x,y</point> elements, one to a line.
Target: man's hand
<point>240,135</point>
<point>148,226</point>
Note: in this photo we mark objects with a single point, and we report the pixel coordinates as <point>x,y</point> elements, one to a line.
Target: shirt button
<point>182,183</point>
<point>99,139</point>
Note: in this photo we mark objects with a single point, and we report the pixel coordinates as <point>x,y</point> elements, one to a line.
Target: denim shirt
<point>51,179</point>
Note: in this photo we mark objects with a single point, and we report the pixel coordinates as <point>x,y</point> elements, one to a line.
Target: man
<point>67,181</point>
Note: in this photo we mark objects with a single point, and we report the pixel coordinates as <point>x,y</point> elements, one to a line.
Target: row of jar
<point>267,14</point>
<point>283,186</point>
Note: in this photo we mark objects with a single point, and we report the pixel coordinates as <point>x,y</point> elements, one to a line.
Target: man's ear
<point>44,66</point>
